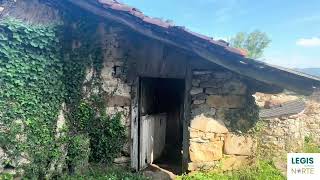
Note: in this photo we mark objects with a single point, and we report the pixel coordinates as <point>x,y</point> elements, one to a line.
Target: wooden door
<point>152,138</point>
<point>152,125</point>
<point>135,94</point>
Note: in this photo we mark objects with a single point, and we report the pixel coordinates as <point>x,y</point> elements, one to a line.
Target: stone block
<point>231,101</point>
<point>201,96</point>
<point>106,73</point>
<point>203,152</point>
<point>213,91</point>
<point>222,75</point>
<point>3,158</point>
<point>239,145</point>
<point>89,74</point>
<point>203,78</point>
<point>122,160</point>
<point>208,124</point>
<point>200,140</point>
<point>195,91</point>
<point>201,72</point>
<point>199,136</point>
<point>201,166</point>
<point>118,101</point>
<point>234,87</point>
<point>195,133</point>
<point>234,162</point>
<point>157,173</point>
<point>212,83</point>
<point>199,101</point>
<point>196,82</point>
<point>203,109</point>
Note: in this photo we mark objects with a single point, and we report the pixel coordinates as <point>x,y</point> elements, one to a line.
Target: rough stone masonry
<point>212,142</point>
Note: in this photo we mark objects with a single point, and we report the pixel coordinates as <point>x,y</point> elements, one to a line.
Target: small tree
<point>254,42</point>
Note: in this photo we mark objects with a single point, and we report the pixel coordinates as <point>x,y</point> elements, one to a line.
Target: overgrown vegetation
<point>40,70</point>
<point>97,172</point>
<point>31,93</point>
<point>310,146</point>
<point>107,139</point>
<point>87,109</point>
<point>102,173</point>
<point>263,170</point>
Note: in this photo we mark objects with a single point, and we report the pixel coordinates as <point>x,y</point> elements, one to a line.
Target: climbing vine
<point>42,67</point>
<point>31,93</point>
<point>87,108</point>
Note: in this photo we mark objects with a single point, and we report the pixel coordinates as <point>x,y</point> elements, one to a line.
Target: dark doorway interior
<point>162,97</point>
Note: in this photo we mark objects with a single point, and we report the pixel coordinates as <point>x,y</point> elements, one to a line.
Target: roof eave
<point>224,56</point>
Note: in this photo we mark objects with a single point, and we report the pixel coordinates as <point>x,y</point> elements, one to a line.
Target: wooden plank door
<point>146,141</point>
<point>152,138</point>
<point>135,124</point>
<point>145,123</point>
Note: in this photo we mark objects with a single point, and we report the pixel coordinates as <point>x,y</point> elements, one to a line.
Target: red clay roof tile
<point>115,5</point>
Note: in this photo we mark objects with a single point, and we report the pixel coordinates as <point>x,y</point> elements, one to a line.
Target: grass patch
<point>6,176</point>
<point>106,173</point>
<point>264,170</point>
<point>310,146</point>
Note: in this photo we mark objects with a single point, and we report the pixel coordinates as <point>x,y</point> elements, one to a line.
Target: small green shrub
<point>78,152</point>
<point>107,138</point>
<point>263,170</point>
<point>6,176</point>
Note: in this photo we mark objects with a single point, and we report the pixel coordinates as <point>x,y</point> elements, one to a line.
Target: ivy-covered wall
<point>32,91</point>
<point>53,119</point>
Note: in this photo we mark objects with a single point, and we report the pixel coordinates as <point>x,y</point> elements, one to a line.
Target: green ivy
<point>107,138</point>
<point>31,92</point>
<point>84,114</point>
<point>78,152</point>
<point>40,69</point>
<point>87,111</point>
<point>6,176</point>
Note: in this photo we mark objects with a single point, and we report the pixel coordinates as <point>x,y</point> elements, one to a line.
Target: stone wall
<point>214,143</point>
<point>281,135</point>
<point>114,82</point>
<point>311,120</point>
<point>226,132</point>
<point>287,134</point>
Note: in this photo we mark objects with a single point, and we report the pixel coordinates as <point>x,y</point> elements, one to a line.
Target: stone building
<point>187,98</point>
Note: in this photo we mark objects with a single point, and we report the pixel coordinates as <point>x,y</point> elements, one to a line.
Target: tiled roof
<point>115,5</point>
<point>218,52</point>
<point>286,109</point>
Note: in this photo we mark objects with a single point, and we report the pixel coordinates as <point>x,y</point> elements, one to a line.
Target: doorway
<point>161,107</point>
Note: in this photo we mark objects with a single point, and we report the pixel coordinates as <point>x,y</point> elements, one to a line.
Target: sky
<point>292,25</point>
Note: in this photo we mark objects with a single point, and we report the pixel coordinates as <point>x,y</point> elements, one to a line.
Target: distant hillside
<point>311,71</point>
